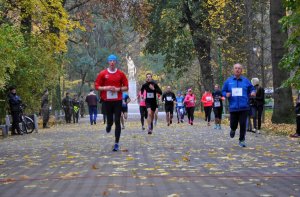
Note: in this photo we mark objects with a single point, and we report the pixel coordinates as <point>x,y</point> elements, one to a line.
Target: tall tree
<point>283,103</point>
<point>291,60</point>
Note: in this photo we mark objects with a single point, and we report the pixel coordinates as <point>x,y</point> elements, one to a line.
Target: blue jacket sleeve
<point>225,88</point>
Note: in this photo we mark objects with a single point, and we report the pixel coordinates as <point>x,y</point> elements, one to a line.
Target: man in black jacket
<point>151,89</point>
<point>297,111</point>
<point>258,105</point>
<point>67,104</point>
<point>45,109</point>
<point>15,110</point>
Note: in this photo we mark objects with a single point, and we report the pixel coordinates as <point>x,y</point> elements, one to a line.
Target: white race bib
<point>150,95</point>
<point>169,98</point>
<point>237,92</point>
<point>217,104</point>
<point>111,95</point>
<point>208,98</point>
<point>179,104</point>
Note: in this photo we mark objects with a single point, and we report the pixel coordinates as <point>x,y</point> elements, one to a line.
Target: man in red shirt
<point>111,82</point>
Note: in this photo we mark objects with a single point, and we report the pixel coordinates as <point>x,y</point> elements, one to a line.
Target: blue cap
<point>112,57</point>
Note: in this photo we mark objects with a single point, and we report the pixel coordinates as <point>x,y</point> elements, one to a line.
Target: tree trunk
<point>202,45</point>
<point>249,36</point>
<point>26,25</point>
<point>283,104</point>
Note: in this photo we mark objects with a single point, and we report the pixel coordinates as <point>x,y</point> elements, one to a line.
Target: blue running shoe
<point>108,129</point>
<point>116,147</point>
<point>232,134</point>
<point>242,143</point>
<point>216,126</point>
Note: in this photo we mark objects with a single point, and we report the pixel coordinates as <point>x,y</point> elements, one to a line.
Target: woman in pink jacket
<point>207,100</point>
<point>190,101</point>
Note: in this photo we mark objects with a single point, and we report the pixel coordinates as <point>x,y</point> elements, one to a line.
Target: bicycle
<point>27,124</point>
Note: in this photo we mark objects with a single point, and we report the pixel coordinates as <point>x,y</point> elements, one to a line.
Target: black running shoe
<point>232,134</point>
<point>108,129</point>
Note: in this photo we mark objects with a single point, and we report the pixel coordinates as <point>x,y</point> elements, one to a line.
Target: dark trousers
<point>45,114</point>
<point>298,125</point>
<point>68,114</point>
<point>180,116</point>
<point>218,112</point>
<point>75,116</point>
<point>144,114</point>
<point>248,121</point>
<point>257,114</point>
<point>15,115</point>
<point>239,117</point>
<point>113,112</point>
<point>93,114</point>
<point>190,113</point>
<point>207,111</point>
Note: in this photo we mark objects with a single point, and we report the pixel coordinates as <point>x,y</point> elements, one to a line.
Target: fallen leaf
<point>94,167</point>
<point>173,195</point>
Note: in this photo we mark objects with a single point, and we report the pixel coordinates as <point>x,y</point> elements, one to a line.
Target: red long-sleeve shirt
<point>108,78</point>
<point>207,100</point>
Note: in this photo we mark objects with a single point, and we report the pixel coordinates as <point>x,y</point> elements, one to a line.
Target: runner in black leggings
<point>151,89</point>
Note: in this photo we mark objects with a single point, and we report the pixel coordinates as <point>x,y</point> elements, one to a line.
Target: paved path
<point>180,160</point>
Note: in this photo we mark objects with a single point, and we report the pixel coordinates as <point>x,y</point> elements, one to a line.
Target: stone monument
<point>132,81</point>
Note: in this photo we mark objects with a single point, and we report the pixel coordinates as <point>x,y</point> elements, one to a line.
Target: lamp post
<point>219,41</point>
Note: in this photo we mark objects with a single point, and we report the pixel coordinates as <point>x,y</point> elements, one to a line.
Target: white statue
<point>131,68</point>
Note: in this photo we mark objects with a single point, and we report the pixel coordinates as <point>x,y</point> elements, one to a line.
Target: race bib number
<point>192,101</point>
<point>150,95</point>
<point>169,98</point>
<point>111,95</point>
<point>237,92</point>
<point>179,104</point>
<point>208,98</point>
<point>217,104</point>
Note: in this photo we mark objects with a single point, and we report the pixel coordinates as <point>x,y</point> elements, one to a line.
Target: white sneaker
<point>258,131</point>
<point>254,130</point>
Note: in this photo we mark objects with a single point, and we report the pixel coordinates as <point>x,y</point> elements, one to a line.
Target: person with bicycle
<point>45,109</point>
<point>169,99</point>
<point>15,110</point>
<point>180,107</point>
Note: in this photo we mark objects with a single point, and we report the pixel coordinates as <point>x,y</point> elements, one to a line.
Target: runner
<point>207,100</point>
<point>156,110</point>
<point>112,82</point>
<point>190,101</point>
<point>238,89</point>
<point>143,109</point>
<point>180,107</point>
<point>218,106</point>
<point>151,89</point>
<point>125,101</point>
<point>169,99</point>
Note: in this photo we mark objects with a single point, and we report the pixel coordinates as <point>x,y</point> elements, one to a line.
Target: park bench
<point>6,127</point>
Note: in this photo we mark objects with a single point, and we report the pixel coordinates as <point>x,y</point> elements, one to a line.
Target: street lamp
<point>219,41</point>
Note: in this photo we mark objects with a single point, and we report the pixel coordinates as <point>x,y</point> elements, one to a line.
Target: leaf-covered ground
<point>180,160</point>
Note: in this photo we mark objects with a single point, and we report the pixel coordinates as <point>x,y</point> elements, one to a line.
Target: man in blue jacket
<point>238,89</point>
